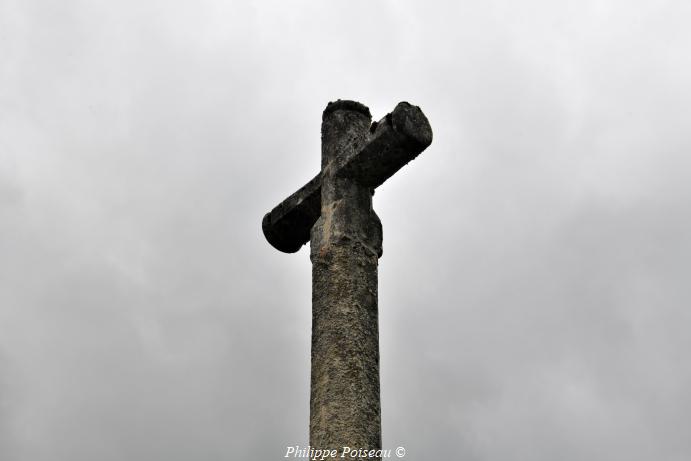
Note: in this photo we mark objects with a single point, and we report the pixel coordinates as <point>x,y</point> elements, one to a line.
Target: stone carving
<point>334,213</point>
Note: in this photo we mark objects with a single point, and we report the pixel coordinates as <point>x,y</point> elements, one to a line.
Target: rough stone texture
<point>287,227</point>
<point>334,211</point>
<point>344,397</point>
<point>345,246</point>
<point>394,141</point>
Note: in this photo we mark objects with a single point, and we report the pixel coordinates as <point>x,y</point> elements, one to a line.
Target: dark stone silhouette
<point>334,213</point>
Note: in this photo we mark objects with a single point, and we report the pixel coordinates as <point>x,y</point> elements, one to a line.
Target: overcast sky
<point>534,288</point>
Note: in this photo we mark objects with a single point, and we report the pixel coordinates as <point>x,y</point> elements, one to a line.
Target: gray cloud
<point>533,285</point>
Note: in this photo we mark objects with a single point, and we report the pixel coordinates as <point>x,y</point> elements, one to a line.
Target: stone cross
<point>334,213</point>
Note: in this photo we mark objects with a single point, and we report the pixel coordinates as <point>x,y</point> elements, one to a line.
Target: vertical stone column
<point>345,245</point>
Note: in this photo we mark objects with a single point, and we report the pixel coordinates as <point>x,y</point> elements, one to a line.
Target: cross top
<point>376,154</point>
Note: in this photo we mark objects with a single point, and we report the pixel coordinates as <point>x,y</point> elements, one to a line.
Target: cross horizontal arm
<point>287,227</point>
<point>396,140</point>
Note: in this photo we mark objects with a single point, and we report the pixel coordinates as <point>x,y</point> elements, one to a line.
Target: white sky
<point>534,288</point>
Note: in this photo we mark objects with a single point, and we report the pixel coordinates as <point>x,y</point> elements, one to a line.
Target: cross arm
<point>287,226</point>
<point>395,140</point>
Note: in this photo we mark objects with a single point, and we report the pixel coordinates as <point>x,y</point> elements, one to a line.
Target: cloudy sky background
<point>534,289</point>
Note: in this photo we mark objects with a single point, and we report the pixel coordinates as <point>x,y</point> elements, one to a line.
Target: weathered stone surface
<point>287,227</point>
<point>344,398</point>
<point>394,141</point>
<point>344,249</point>
<point>334,212</point>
